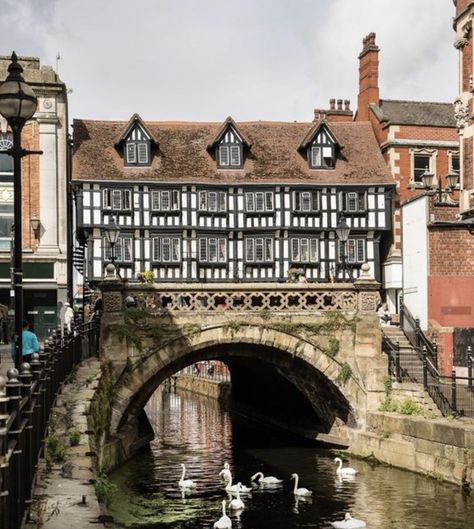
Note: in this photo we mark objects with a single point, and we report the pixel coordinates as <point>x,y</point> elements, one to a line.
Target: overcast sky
<point>252,59</point>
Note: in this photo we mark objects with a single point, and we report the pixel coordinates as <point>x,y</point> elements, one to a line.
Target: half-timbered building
<point>230,201</point>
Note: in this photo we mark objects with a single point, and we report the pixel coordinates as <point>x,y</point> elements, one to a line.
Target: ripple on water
<point>197,432</point>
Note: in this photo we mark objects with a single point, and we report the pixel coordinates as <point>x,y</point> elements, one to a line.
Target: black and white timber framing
<point>163,226</point>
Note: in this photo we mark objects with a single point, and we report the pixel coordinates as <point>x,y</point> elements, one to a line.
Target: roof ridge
<point>415,101</point>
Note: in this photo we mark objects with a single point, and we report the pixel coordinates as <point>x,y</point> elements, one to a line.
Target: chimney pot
<point>339,104</point>
<point>347,104</point>
<point>332,104</point>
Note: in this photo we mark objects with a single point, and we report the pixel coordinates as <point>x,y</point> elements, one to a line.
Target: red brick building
<point>414,137</point>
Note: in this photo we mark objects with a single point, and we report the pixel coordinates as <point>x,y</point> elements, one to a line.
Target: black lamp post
<point>112,232</point>
<point>17,105</point>
<point>342,232</point>
<point>442,195</point>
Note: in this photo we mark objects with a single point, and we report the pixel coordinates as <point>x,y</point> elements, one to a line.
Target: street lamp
<point>17,105</point>
<point>452,180</point>
<point>342,232</point>
<point>112,232</point>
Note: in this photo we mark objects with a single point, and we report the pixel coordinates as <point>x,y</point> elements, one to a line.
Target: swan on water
<point>224,521</point>
<point>348,471</point>
<point>349,523</point>
<point>268,480</point>
<point>225,472</point>
<point>185,483</point>
<point>234,488</point>
<point>237,504</point>
<point>299,491</point>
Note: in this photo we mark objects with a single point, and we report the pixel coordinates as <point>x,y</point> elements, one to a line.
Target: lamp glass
<point>427,179</point>
<point>342,230</point>
<point>452,180</point>
<point>17,100</point>
<point>112,232</point>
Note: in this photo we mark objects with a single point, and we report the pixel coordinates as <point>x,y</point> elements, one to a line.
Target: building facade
<point>231,201</point>
<point>414,137</point>
<point>44,200</point>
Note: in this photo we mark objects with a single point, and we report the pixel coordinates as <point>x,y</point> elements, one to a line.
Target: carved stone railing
<point>158,298</point>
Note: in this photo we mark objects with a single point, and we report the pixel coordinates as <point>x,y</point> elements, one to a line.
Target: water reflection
<point>196,431</point>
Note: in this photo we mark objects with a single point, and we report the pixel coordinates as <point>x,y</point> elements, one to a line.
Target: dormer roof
<point>228,123</point>
<point>132,122</point>
<point>313,132</point>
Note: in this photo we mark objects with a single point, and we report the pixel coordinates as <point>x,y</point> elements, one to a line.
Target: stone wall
<point>438,448</point>
<point>214,389</point>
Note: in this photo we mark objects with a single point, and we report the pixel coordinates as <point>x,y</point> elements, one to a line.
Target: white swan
<point>224,521</point>
<point>349,523</point>
<point>234,488</point>
<point>268,480</point>
<point>185,483</point>
<point>237,504</point>
<point>299,491</point>
<point>348,471</point>
<point>225,472</point>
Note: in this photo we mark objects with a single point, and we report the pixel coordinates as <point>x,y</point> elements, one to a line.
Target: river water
<point>202,434</point>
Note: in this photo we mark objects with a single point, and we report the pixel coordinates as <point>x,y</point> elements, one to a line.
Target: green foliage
<point>265,314</point>
<point>233,327</point>
<point>146,277</point>
<point>345,373</point>
<point>388,385</point>
<point>385,435</point>
<point>104,488</point>
<point>333,347</point>
<point>410,407</point>
<point>126,332</point>
<point>56,448</point>
<point>388,404</point>
<point>101,405</point>
<point>74,437</point>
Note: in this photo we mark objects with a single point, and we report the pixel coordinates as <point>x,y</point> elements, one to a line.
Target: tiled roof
<point>183,156</point>
<point>422,113</point>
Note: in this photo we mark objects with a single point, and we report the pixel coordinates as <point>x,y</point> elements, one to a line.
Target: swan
<point>348,471</point>
<point>224,521</point>
<point>185,483</point>
<point>234,488</point>
<point>237,504</point>
<point>225,472</point>
<point>268,480</point>
<point>349,523</point>
<point>299,491</point>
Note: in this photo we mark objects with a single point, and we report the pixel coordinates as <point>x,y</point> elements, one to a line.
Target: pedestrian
<point>130,301</point>
<point>384,315</point>
<point>68,317</point>
<point>30,343</point>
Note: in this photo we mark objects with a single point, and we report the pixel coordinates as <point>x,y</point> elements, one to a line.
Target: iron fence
<point>212,370</point>
<point>26,401</point>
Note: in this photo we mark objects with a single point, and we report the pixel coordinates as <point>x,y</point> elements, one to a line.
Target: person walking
<point>68,316</point>
<point>30,343</point>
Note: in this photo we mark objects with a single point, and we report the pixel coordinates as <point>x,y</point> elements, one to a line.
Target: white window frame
<point>142,153</point>
<point>316,156</point>
<point>351,201</point>
<point>299,196</point>
<point>173,244</point>
<point>131,150</point>
<point>259,201</point>
<point>165,200</point>
<point>116,199</point>
<point>212,201</point>
<point>355,251</point>
<point>259,250</point>
<point>312,249</point>
<point>212,250</point>
<point>224,161</point>
<point>123,249</point>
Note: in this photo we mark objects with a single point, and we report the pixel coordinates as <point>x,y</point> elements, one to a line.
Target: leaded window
<point>166,249</point>
<point>213,250</point>
<point>165,200</point>
<point>123,249</point>
<point>355,251</point>
<point>304,250</point>
<point>354,201</point>
<point>212,201</point>
<point>117,199</point>
<point>259,250</point>
<point>306,201</point>
<point>259,202</point>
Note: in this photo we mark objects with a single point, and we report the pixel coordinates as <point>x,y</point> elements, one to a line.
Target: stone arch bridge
<point>307,352</point>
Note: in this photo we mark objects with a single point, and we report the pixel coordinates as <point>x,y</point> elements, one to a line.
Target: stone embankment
<point>215,389</point>
<point>439,448</point>
<point>65,494</point>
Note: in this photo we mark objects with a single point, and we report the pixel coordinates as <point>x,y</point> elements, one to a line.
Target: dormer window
<point>230,156</point>
<point>137,143</point>
<point>137,152</point>
<point>321,147</point>
<point>229,146</point>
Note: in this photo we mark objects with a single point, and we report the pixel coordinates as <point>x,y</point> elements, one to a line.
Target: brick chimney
<point>461,5</point>
<point>368,77</point>
<point>338,110</point>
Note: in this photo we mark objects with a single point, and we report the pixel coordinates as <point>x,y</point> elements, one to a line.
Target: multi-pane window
<point>165,200</point>
<point>355,251</point>
<point>230,156</point>
<point>305,201</point>
<point>212,201</point>
<point>421,164</point>
<point>259,202</point>
<point>321,153</point>
<point>117,199</point>
<point>166,249</point>
<point>137,153</point>
<point>353,202</point>
<point>213,250</point>
<point>6,192</point>
<point>123,250</point>
<point>304,250</point>
<point>259,250</point>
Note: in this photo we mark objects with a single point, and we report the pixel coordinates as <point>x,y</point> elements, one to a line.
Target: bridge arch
<point>314,373</point>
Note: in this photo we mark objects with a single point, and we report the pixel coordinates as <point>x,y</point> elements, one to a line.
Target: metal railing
<point>208,369</point>
<point>26,401</point>
<point>453,395</point>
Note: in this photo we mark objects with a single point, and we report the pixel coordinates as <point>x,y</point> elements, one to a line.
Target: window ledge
<point>305,213</point>
<point>212,213</point>
<point>165,213</point>
<point>260,213</point>
<point>360,212</point>
<point>163,264</point>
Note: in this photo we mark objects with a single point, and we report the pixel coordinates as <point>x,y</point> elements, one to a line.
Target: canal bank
<point>215,389</point>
